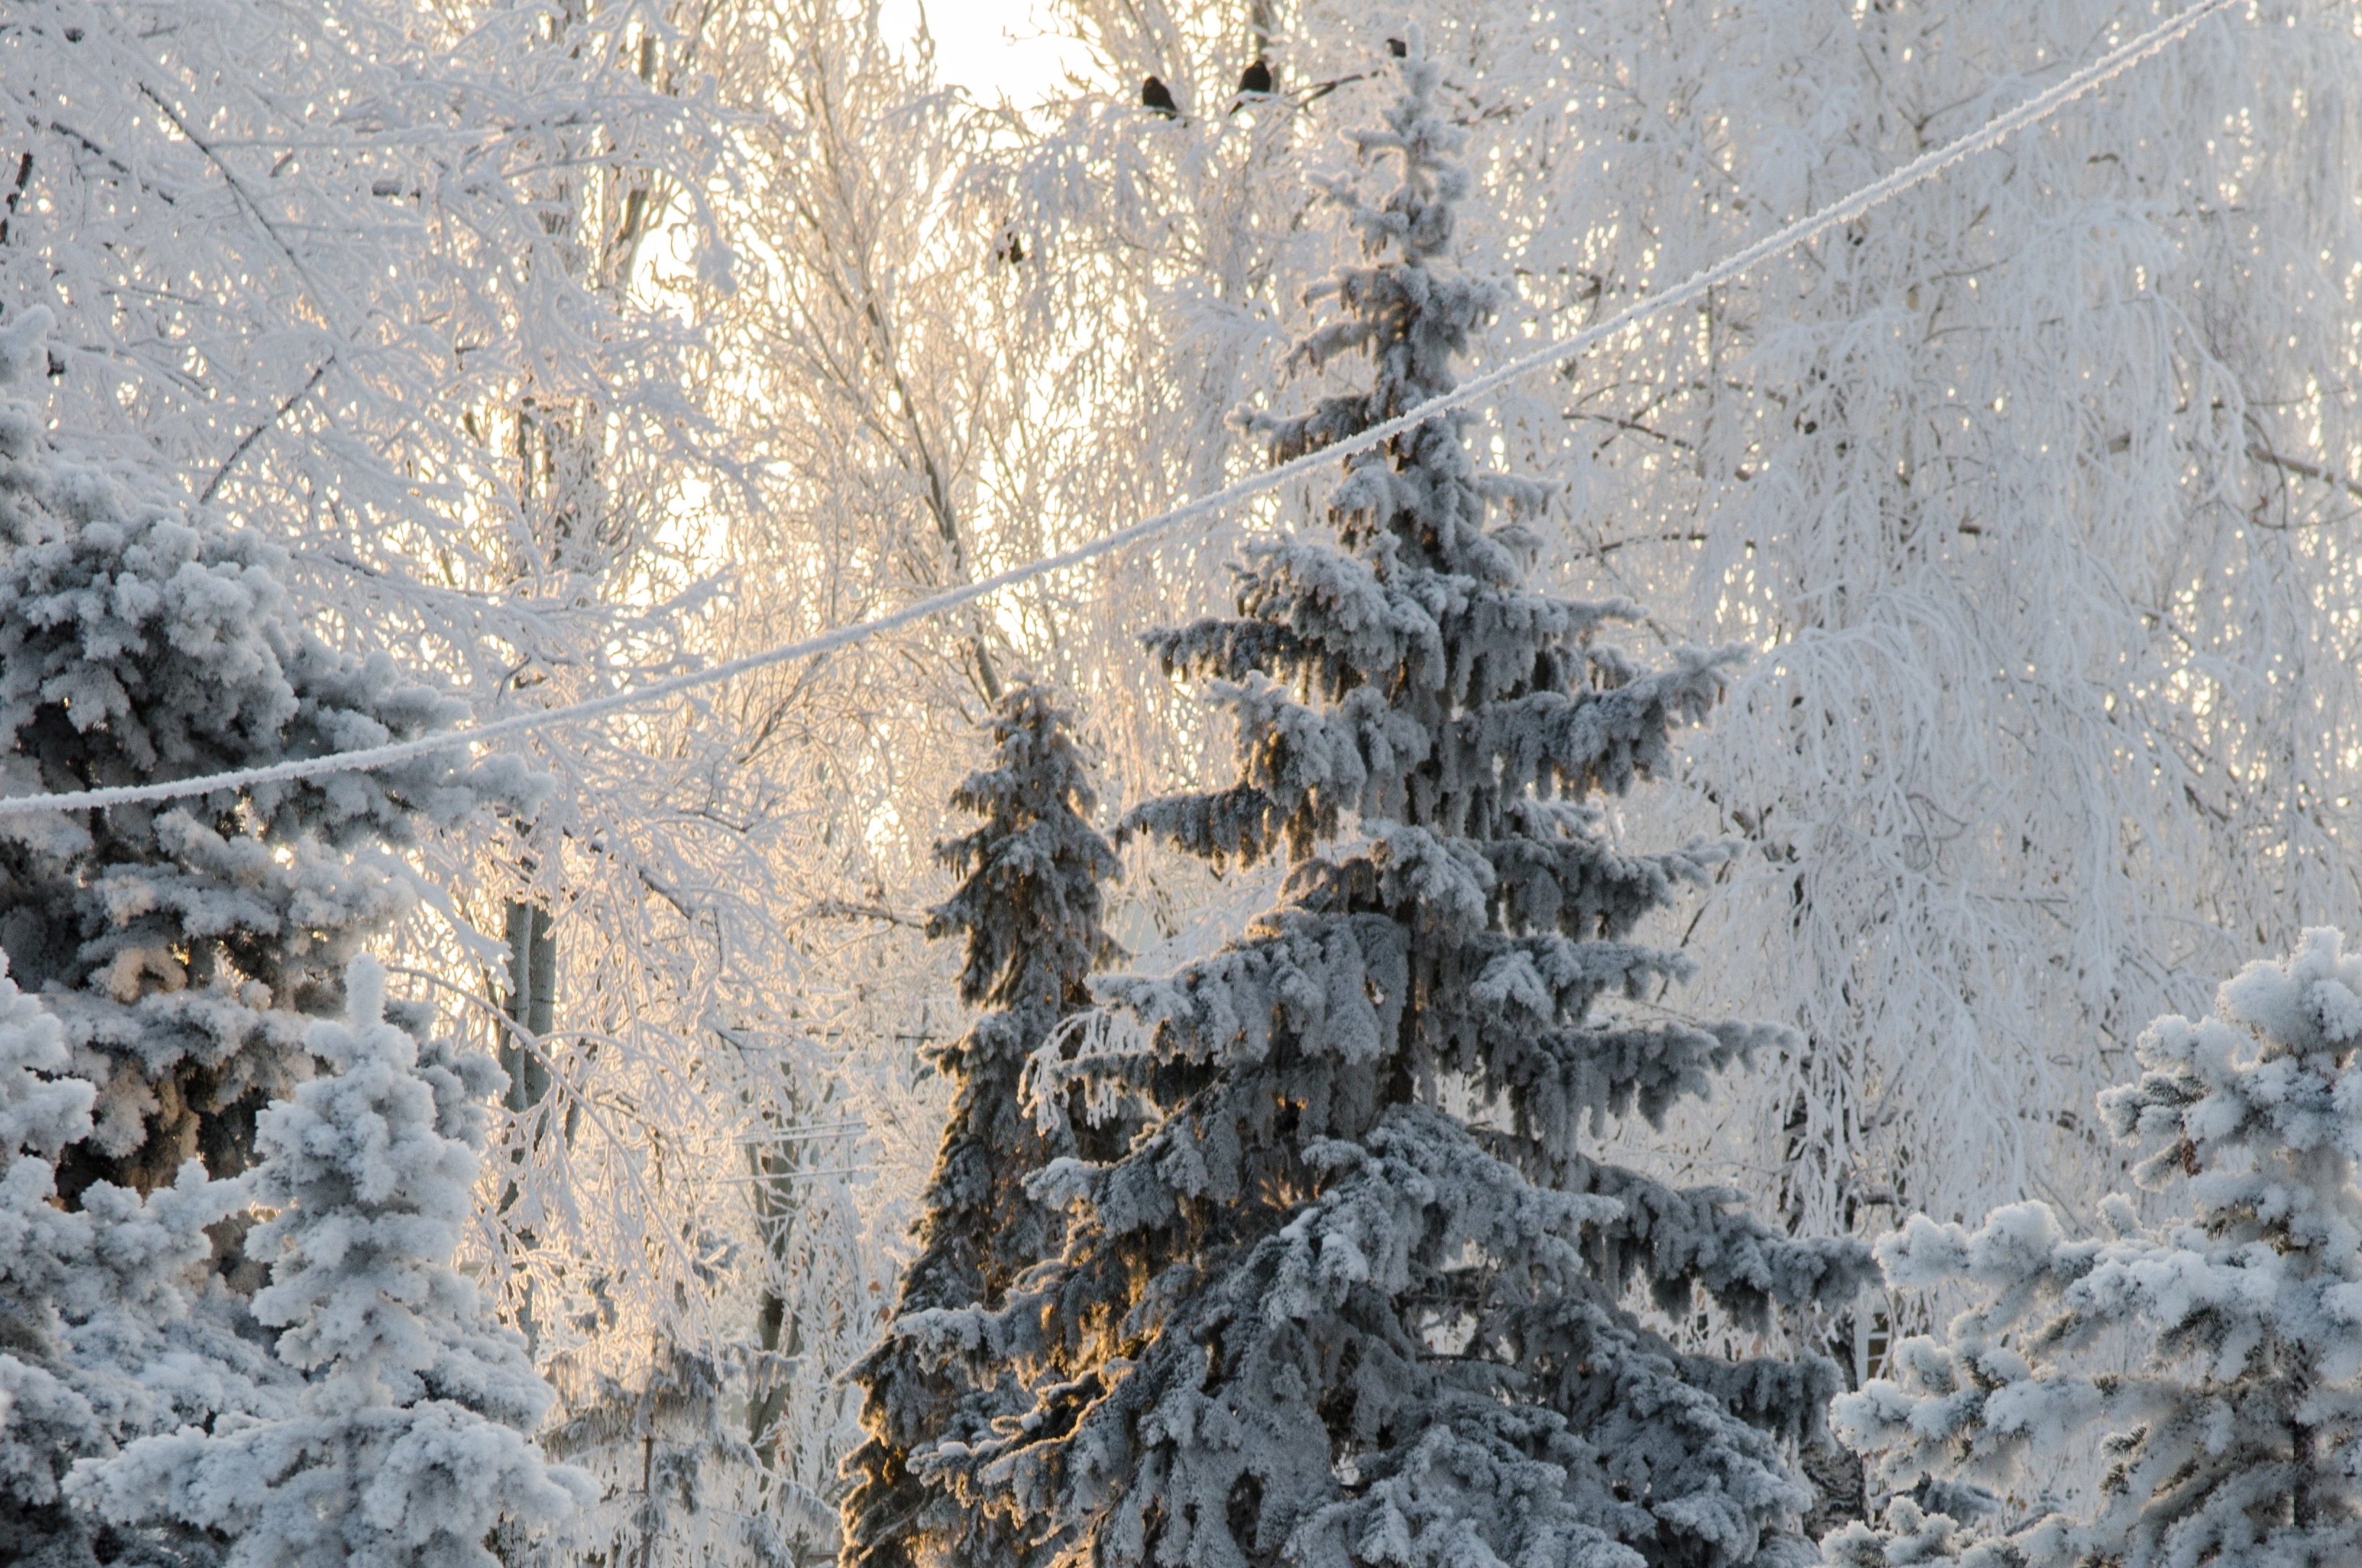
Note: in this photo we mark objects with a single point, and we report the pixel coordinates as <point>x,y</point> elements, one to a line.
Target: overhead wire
<point>1917,172</point>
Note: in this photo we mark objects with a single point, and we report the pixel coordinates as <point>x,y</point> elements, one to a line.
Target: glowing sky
<point>991,47</point>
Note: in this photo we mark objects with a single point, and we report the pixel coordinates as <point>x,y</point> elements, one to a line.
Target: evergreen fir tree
<point>186,946</point>
<point>44,1423</point>
<point>1027,909</point>
<point>180,950</point>
<point>104,1333</point>
<point>409,1443</point>
<point>2240,1440</point>
<point>1359,1294</point>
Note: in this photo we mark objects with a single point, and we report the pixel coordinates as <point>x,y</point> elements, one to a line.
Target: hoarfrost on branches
<point>111,1329</point>
<point>188,945</point>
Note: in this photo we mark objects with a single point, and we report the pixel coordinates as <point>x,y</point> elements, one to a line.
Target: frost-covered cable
<point>1920,169</point>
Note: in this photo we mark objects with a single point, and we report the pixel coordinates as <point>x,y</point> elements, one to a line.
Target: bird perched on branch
<point>1154,95</point>
<point>1399,49</point>
<point>1255,78</point>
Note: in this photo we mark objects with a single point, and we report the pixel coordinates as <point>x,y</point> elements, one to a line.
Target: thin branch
<point>838,909</point>
<point>113,162</point>
<point>2264,453</point>
<point>320,296</point>
<point>298,395</point>
<point>17,193</point>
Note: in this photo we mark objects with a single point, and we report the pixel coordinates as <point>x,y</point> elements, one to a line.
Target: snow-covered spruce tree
<point>1028,910</point>
<point>186,946</point>
<point>408,1444</point>
<point>2240,1440</point>
<point>104,1331</point>
<point>1360,1295</point>
<point>44,1424</point>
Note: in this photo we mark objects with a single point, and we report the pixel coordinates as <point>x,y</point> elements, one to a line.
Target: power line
<point>1917,172</point>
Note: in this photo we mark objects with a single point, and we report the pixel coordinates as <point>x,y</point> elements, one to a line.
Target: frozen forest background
<point>513,355</point>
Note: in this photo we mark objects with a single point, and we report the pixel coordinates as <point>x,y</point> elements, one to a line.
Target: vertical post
<point>648,1483</point>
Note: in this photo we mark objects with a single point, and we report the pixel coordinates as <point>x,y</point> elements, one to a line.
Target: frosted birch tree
<point>2236,1437</point>
<point>367,276</point>
<point>1358,1291</point>
<point>1981,477</point>
<point>1163,259</point>
<point>342,265</point>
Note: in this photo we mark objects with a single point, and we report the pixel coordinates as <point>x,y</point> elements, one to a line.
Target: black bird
<point>1399,49</point>
<point>1154,95</point>
<point>1255,78</point>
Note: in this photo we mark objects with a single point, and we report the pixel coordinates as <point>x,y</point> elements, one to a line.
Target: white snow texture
<point>407,1445</point>
<point>2240,1440</point>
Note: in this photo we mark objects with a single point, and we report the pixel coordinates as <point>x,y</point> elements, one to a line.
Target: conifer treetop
<point>1027,902</point>
<point>1028,907</point>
